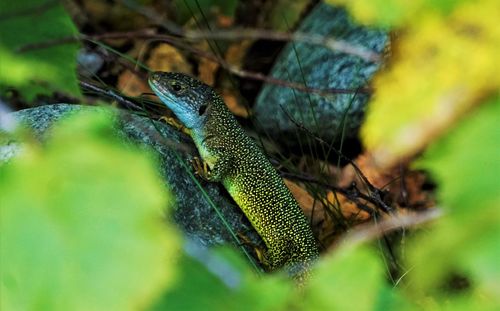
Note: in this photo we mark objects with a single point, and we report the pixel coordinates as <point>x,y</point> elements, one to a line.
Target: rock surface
<point>194,212</point>
<point>321,68</point>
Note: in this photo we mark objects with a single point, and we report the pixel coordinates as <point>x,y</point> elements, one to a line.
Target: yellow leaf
<point>131,85</point>
<point>444,65</point>
<point>167,58</point>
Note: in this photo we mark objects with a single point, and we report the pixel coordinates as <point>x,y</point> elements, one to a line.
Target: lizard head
<point>187,97</point>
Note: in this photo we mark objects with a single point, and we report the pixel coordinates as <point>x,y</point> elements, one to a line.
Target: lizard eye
<point>176,87</point>
<point>202,109</point>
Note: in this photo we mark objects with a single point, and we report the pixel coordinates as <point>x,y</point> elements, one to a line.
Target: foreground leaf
<point>351,279</point>
<point>465,165</point>
<point>223,280</point>
<point>444,63</point>
<point>81,224</point>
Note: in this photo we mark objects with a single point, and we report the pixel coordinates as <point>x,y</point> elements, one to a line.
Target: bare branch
<point>309,38</point>
<point>394,222</point>
<point>149,34</point>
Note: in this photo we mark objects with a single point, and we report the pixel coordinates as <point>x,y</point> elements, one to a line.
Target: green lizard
<point>235,160</point>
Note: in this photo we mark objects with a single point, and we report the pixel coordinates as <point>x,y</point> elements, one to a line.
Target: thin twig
<point>302,37</point>
<point>253,33</point>
<point>148,34</point>
<point>109,93</point>
<point>29,11</point>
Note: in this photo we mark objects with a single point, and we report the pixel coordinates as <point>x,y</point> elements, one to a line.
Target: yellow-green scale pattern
<point>246,173</point>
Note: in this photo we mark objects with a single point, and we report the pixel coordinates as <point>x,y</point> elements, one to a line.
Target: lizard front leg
<point>216,163</point>
<point>213,173</point>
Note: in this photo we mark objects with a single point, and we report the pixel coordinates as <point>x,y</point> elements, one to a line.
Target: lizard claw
<point>175,124</point>
<point>201,168</point>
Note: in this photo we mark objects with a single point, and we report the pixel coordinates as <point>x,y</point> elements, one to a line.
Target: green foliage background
<point>82,229</point>
<point>36,71</point>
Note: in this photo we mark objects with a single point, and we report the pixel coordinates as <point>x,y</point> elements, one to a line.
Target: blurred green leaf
<point>381,12</point>
<point>351,279</point>
<point>195,289</point>
<point>395,12</point>
<point>82,223</point>
<point>185,9</point>
<point>200,289</point>
<point>284,14</point>
<point>465,165</point>
<point>465,162</point>
<point>37,71</point>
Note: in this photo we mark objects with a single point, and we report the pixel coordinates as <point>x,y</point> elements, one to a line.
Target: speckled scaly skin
<point>236,161</point>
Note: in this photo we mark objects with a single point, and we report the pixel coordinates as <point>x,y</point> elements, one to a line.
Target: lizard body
<point>238,163</point>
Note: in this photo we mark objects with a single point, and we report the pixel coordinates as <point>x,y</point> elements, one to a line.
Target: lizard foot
<point>259,250</point>
<point>201,168</point>
<point>175,124</point>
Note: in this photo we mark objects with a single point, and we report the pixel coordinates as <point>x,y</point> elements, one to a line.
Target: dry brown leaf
<point>377,177</point>
<point>224,21</point>
<point>207,70</point>
<point>233,104</point>
<point>403,186</point>
<point>130,85</point>
<point>305,200</point>
<point>313,209</point>
<point>234,55</point>
<point>236,52</point>
<point>167,58</point>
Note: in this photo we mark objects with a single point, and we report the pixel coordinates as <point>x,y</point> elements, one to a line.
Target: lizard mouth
<point>158,88</point>
<point>154,79</point>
